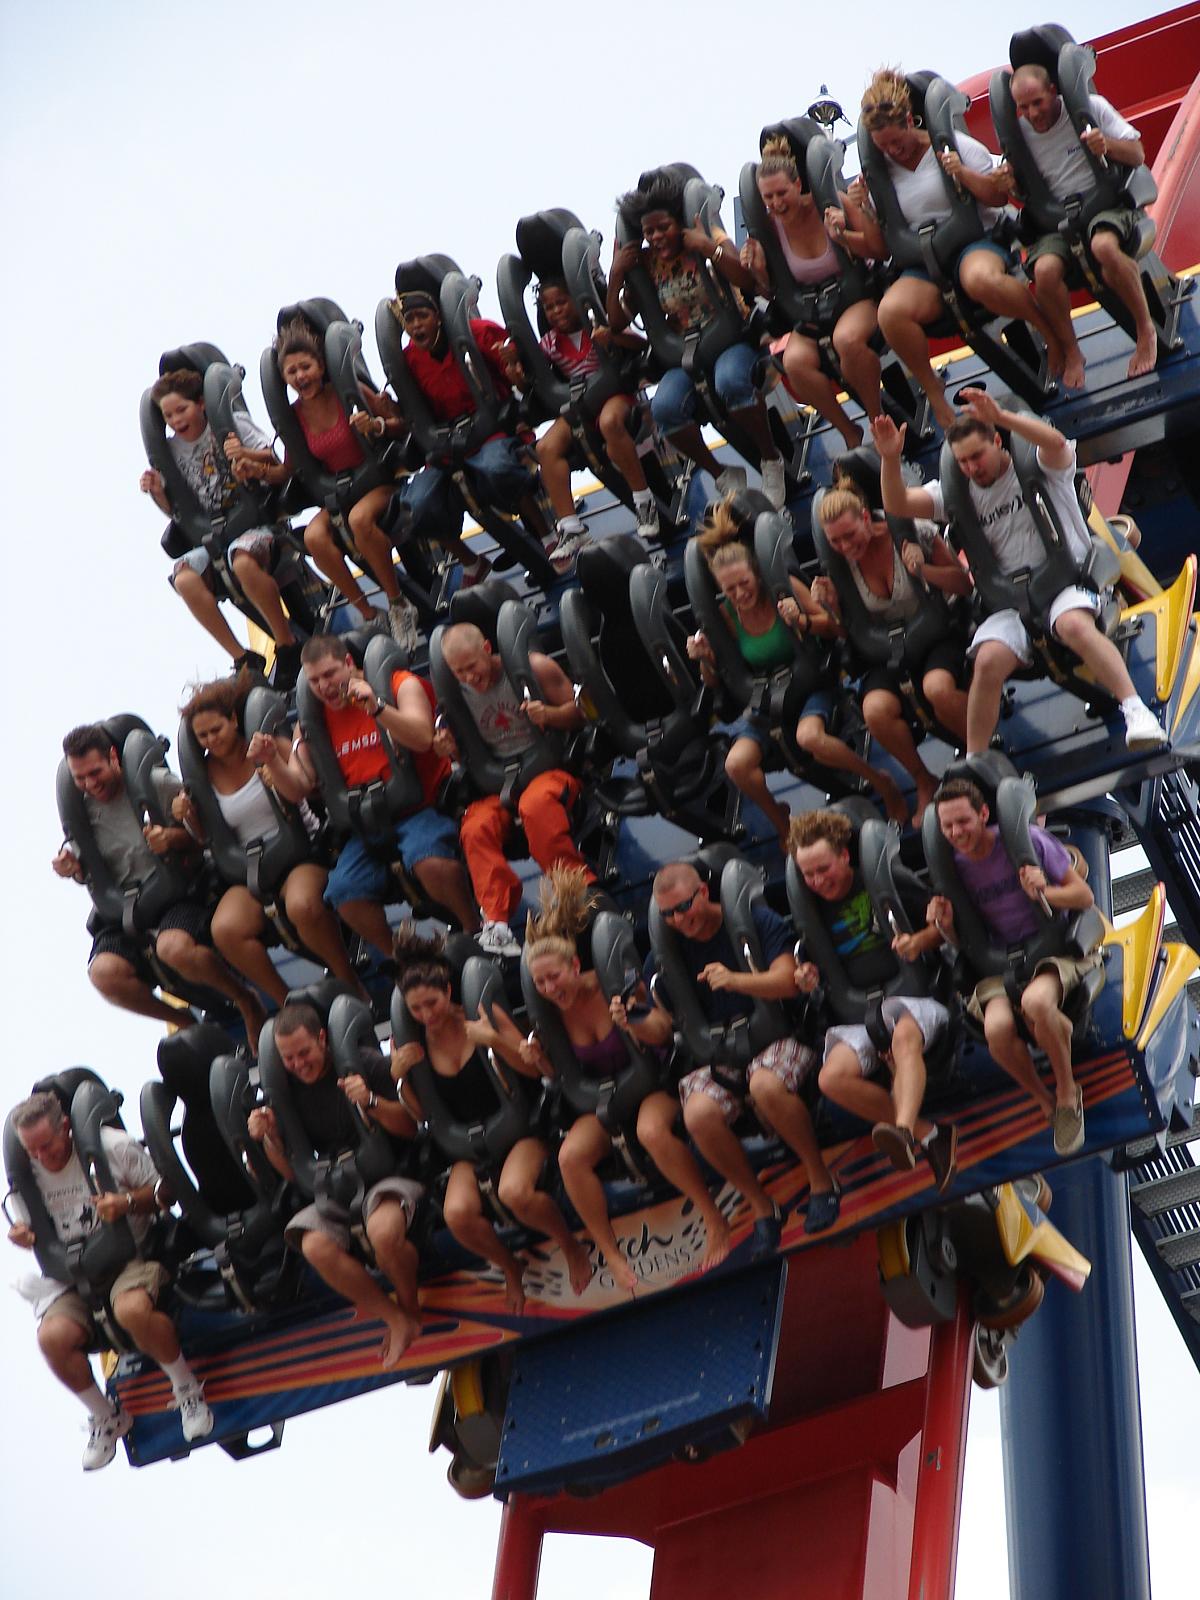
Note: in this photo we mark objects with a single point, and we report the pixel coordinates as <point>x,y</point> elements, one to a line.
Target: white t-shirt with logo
<point>921,193</point>
<point>1061,158</point>
<point>68,1196</point>
<point>1007,523</point>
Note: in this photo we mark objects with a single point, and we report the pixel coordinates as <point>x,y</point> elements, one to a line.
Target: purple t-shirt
<point>1011,916</point>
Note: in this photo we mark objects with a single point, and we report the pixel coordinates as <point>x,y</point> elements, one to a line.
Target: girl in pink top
<point>812,259</point>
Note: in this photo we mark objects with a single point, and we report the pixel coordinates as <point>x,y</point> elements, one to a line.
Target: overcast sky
<point>171,175</point>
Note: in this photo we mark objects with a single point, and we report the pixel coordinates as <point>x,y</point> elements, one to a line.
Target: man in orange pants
<point>506,722</point>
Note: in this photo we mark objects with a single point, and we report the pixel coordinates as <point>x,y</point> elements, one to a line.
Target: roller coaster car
<point>772,700</point>
<point>233,1202</point>
<point>450,445</point>
<point>89,1265</point>
<point>477,985</point>
<point>902,647</point>
<point>251,505</point>
<point>1114,187</point>
<point>696,351</point>
<point>1013,351</point>
<point>468,1420</point>
<point>1000,1244</point>
<point>1012,803</point>
<point>136,910</point>
<point>615,1098</point>
<point>627,654</point>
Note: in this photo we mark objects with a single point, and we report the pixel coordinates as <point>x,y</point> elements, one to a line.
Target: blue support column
<point>1074,1486</point>
<point>1074,1482</point>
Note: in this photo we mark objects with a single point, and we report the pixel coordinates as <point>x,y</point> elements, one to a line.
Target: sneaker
<point>1143,731</point>
<point>250,661</point>
<point>766,1233</point>
<point>823,1210</point>
<point>287,666</point>
<point>194,1413</point>
<point>731,480</point>
<point>103,1434</point>
<point>565,549</point>
<point>498,939</point>
<point>941,1151</point>
<point>1068,1126</point>
<point>647,519</point>
<point>402,621</point>
<point>896,1144</point>
<point>377,622</point>
<point>774,483</point>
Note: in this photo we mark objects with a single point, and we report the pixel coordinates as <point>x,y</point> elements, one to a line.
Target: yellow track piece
<point>466,1387</point>
<point>1182,961</point>
<point>1139,942</point>
<point>1020,1238</point>
<point>892,1243</point>
<point>1172,612</point>
<point>1134,570</point>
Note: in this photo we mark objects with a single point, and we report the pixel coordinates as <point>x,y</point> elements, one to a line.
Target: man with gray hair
<point>66,1327</point>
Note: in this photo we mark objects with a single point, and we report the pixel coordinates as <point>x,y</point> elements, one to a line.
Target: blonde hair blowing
<point>837,501</point>
<point>778,156</point>
<point>886,101</point>
<point>567,901</point>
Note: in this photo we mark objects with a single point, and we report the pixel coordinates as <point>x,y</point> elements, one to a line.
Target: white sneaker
<point>194,1413</point>
<point>497,939</point>
<point>774,483</point>
<point>731,481</point>
<point>403,624</point>
<point>566,548</point>
<point>1143,731</point>
<point>103,1435</point>
<point>647,519</point>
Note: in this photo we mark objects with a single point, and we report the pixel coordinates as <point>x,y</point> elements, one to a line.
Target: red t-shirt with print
<point>360,752</point>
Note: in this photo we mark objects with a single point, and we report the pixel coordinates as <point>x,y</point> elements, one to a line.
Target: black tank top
<point>470,1095</point>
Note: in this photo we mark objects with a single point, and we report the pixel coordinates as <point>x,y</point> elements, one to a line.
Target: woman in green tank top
<point>765,636</point>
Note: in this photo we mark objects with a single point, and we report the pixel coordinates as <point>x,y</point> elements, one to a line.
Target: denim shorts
<point>674,402</point>
<point>361,875</point>
<point>818,704</point>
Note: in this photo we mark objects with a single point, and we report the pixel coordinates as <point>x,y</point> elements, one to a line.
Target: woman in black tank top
<point>456,1049</point>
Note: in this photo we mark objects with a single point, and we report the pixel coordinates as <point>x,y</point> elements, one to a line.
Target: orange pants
<point>543,807</point>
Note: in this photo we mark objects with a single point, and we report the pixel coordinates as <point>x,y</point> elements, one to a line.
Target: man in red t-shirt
<point>425,840</point>
<point>499,472</point>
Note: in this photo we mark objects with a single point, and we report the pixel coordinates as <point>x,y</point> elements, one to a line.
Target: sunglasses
<point>681,908</point>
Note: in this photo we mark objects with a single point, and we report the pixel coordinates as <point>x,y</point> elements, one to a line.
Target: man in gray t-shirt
<point>130,848</point>
<point>1001,645</point>
<point>1061,156</point>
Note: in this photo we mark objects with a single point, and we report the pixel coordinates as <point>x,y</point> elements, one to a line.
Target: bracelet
<point>372,1100</point>
<point>382,429</point>
<point>129,1202</point>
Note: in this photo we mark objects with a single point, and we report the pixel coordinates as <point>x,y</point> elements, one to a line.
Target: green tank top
<point>764,651</point>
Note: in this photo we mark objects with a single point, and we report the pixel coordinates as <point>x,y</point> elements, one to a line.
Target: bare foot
<point>853,436</point>
<point>1072,376</point>
<point>253,1016</point>
<point>1145,355</point>
<point>623,1274</point>
<point>719,1241</point>
<point>944,413</point>
<point>926,789</point>
<point>402,1330</point>
<point>514,1289</point>
<point>579,1267</point>
<point>893,801</point>
<point>1056,358</point>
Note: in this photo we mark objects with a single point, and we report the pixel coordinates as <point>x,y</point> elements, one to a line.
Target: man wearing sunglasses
<point>715,1095</point>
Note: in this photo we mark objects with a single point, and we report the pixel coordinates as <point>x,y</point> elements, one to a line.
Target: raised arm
<point>898,499</point>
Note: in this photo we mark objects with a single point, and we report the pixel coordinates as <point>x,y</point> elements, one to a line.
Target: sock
<point>570,525</point>
<point>642,498</point>
<point>1133,700</point>
<point>181,1375</point>
<point>99,1407</point>
<point>929,1137</point>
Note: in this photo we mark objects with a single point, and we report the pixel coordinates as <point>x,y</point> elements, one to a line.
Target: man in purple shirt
<point>1007,898</point>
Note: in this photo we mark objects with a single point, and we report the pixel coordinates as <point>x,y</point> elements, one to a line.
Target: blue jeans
<point>360,875</point>
<point>674,402</point>
<point>428,504</point>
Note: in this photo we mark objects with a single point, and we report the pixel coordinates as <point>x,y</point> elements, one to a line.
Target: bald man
<point>1062,160</point>
<point>507,723</point>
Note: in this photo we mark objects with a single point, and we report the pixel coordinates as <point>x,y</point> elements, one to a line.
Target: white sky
<point>168,176</point>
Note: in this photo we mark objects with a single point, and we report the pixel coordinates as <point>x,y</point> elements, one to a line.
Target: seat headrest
<point>603,570</point>
<point>540,240</point>
<point>481,605</point>
<point>1038,47</point>
<point>419,273</point>
<point>318,313</point>
<point>918,84</point>
<point>196,357</point>
<point>64,1084</point>
<point>798,131</point>
<point>747,505</point>
<point>863,468</point>
<point>985,770</point>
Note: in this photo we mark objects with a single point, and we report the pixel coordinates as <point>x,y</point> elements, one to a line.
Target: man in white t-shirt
<point>65,1325</point>
<point>1063,162</point>
<point>1001,645</point>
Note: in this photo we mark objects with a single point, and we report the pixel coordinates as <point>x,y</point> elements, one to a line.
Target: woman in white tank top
<point>812,259</point>
<point>239,924</point>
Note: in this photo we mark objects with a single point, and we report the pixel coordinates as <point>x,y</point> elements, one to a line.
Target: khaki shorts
<point>151,1276</point>
<point>310,1220</point>
<point>786,1059</point>
<point>1122,222</point>
<point>1070,972</point>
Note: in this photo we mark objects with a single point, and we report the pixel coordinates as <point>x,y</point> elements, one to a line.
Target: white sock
<point>1133,700</point>
<point>642,497</point>
<point>929,1137</point>
<point>181,1375</point>
<point>570,525</point>
<point>99,1406</point>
